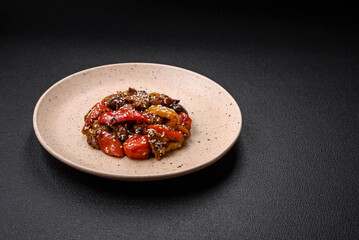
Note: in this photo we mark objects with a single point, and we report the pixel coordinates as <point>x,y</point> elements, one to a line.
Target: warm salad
<point>137,124</point>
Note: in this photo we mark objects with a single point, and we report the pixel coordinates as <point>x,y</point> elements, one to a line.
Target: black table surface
<point>292,174</point>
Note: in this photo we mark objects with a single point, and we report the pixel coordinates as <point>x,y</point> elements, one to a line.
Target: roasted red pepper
<point>137,147</point>
<point>95,112</point>
<point>110,145</point>
<point>172,134</point>
<point>185,120</point>
<point>123,115</point>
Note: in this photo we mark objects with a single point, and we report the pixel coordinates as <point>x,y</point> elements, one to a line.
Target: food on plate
<point>137,124</point>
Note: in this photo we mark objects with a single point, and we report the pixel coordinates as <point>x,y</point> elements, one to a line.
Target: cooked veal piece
<point>137,124</point>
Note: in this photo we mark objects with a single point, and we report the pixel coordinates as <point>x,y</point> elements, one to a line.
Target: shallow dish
<point>59,113</point>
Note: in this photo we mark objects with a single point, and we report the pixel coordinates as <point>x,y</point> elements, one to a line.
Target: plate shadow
<point>194,183</point>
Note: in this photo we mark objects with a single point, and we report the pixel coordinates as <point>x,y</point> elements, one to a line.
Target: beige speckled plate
<point>58,119</point>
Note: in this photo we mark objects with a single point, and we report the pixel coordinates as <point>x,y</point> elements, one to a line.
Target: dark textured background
<point>294,71</point>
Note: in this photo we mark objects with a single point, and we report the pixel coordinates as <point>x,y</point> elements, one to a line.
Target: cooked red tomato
<point>137,147</point>
<point>110,145</point>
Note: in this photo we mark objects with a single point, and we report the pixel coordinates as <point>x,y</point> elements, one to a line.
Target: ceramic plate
<point>59,117</point>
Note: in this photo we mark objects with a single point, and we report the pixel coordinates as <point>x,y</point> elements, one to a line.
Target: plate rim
<point>122,177</point>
